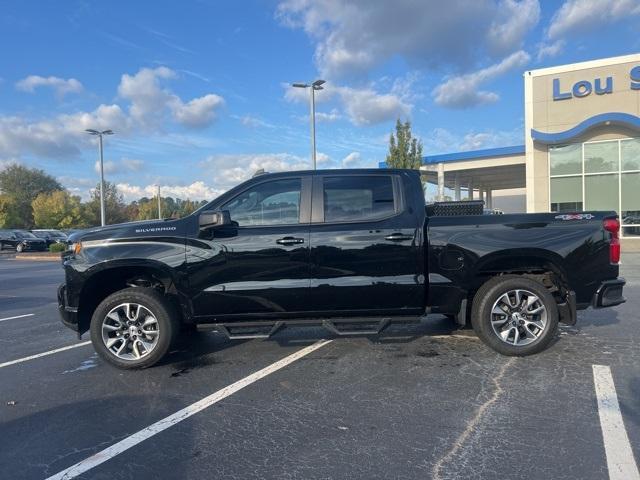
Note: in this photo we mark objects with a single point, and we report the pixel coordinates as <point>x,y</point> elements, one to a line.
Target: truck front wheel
<point>133,328</point>
<point>515,315</point>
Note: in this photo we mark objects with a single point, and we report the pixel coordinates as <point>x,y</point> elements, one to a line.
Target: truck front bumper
<point>68,315</point>
<point>609,293</point>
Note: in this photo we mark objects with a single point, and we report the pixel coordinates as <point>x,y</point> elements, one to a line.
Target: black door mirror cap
<point>217,218</point>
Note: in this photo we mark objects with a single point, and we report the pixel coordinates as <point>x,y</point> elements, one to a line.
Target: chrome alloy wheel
<point>130,331</point>
<point>518,317</point>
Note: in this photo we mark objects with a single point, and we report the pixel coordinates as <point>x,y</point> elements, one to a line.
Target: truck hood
<point>146,228</point>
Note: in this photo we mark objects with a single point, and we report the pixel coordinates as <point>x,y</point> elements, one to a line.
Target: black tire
<point>157,304</point>
<point>495,288</point>
<point>19,248</point>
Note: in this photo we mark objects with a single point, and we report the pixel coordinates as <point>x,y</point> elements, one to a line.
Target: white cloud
<point>463,91</point>
<point>440,140</point>
<point>580,16</point>
<point>231,169</point>
<point>61,86</point>
<point>150,101</point>
<point>363,106</point>
<point>195,191</point>
<point>354,37</point>
<point>367,107</point>
<point>575,17</point>
<point>514,19</point>
<point>198,112</point>
<point>331,116</point>
<point>58,137</point>
<point>552,49</point>
<point>150,109</point>
<point>122,166</point>
<point>323,160</point>
<point>352,160</point>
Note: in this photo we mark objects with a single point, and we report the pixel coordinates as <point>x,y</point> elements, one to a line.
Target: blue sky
<point>197,94</point>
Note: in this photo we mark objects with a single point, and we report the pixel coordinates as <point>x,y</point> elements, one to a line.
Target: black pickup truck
<point>351,250</point>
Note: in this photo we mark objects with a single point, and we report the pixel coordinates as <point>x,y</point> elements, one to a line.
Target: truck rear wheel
<point>515,315</point>
<point>133,328</point>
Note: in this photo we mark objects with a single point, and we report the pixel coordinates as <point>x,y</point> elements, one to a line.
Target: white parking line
<point>148,432</point>
<point>44,354</point>
<point>17,316</point>
<point>620,461</point>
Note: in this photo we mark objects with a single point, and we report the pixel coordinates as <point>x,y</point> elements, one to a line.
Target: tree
<point>23,185</point>
<point>8,215</point>
<point>115,209</point>
<point>57,209</point>
<point>404,150</point>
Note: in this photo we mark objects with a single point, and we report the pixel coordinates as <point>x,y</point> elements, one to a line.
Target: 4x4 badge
<point>575,216</point>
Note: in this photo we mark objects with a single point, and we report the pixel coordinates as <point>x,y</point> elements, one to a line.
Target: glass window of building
<point>598,176</point>
<point>601,192</point>
<point>566,159</point>
<point>566,194</point>
<point>630,204</point>
<point>601,157</point>
<point>630,150</point>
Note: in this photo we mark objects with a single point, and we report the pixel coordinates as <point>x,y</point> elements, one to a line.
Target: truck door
<point>260,264</point>
<point>365,246</point>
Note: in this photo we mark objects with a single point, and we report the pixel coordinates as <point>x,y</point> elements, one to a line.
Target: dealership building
<point>581,147</point>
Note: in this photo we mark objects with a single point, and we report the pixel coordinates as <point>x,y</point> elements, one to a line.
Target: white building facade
<point>581,147</point>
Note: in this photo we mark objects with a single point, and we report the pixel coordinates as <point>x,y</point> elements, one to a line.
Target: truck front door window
<point>269,203</point>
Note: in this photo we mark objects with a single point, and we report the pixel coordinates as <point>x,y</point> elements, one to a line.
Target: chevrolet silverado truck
<point>350,250</point>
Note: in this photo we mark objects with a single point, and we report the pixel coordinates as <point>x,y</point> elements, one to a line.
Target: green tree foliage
<point>404,150</point>
<point>54,207</point>
<point>147,208</point>
<point>8,213</point>
<point>115,208</point>
<point>58,209</point>
<point>22,185</point>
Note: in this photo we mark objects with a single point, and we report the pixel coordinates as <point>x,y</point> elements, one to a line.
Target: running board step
<point>249,332</point>
<point>333,327</point>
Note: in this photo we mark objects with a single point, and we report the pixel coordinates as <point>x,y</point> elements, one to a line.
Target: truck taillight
<point>612,225</point>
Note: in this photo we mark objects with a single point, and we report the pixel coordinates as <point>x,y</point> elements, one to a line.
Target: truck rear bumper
<point>68,315</point>
<point>609,293</point>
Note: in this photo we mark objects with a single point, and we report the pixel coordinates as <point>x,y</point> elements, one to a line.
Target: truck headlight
<point>75,248</point>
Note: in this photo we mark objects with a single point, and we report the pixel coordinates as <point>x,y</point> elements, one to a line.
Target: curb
<point>42,258</point>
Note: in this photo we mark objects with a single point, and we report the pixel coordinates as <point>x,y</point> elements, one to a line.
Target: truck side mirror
<point>210,218</point>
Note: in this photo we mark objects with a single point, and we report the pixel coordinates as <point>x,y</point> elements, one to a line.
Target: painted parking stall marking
<point>17,316</point>
<point>620,461</point>
<point>43,354</point>
<point>161,425</point>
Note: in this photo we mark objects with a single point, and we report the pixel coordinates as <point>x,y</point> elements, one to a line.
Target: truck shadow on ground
<point>61,441</point>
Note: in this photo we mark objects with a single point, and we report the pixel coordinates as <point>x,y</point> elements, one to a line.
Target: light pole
<point>317,85</point>
<point>159,203</point>
<point>99,134</point>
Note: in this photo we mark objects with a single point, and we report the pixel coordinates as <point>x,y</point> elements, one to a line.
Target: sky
<point>198,92</point>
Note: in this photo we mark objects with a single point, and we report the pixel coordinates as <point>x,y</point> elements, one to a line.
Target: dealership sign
<point>599,86</point>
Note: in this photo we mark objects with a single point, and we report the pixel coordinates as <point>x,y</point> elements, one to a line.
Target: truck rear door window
<point>358,198</point>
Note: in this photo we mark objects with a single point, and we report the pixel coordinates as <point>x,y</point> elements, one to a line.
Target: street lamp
<point>317,85</point>
<point>99,134</point>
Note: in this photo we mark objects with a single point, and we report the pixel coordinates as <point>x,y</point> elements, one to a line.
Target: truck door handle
<point>289,241</point>
<point>398,237</point>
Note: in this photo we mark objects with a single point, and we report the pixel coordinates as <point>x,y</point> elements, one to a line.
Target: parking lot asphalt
<point>419,401</point>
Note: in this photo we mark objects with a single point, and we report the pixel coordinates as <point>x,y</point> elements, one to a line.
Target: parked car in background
<point>21,241</point>
<point>50,236</point>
